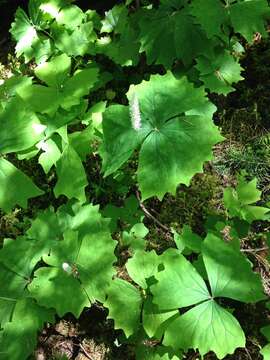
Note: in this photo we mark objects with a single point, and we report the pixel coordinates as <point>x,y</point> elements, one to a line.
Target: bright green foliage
<point>205,9</point>
<point>135,237</point>
<point>11,290</point>
<point>12,180</point>
<point>80,264</point>
<point>239,201</point>
<point>169,37</point>
<point>27,319</point>
<point>188,240</point>
<point>51,24</point>
<point>73,110</point>
<point>123,299</point>
<point>236,281</point>
<point>206,326</point>
<point>62,90</point>
<point>29,41</point>
<point>124,49</point>
<point>248,17</point>
<point>50,154</point>
<point>20,128</point>
<point>45,227</point>
<point>156,124</point>
<point>265,352</point>
<point>219,72</point>
<point>71,175</point>
<point>142,266</point>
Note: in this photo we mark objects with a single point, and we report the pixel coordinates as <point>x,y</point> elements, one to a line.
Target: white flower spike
<point>135,113</point>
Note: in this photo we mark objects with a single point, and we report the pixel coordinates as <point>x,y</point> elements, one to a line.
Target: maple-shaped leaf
<point>30,42</point>
<point>45,227</point>
<point>203,10</point>
<point>28,318</point>
<point>62,90</point>
<point>82,263</point>
<point>173,34</point>
<point>249,17</point>
<point>170,121</point>
<point>12,181</point>
<point>239,201</point>
<point>76,42</point>
<point>19,126</point>
<point>206,326</point>
<point>124,46</point>
<point>124,297</point>
<point>71,175</point>
<point>220,72</point>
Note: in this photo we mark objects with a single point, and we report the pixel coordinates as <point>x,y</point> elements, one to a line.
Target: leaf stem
<point>151,216</point>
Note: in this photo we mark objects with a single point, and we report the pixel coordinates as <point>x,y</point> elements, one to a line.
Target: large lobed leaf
<point>171,125</point>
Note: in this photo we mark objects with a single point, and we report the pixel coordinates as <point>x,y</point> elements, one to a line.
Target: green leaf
<point>22,255</point>
<point>45,227</point>
<point>70,16</point>
<point>50,155</point>
<point>55,72</point>
<point>82,263</point>
<point>188,239</point>
<point>12,180</point>
<point>229,272</point>
<point>112,19</point>
<point>265,352</point>
<point>238,201</point>
<point>62,90</point>
<point>155,321</point>
<point>220,72</point>
<point>29,42</point>
<point>27,320</point>
<point>142,266</point>
<point>81,141</point>
<point>135,237</point>
<point>207,327</point>
<point>55,288</point>
<point>178,278</point>
<point>266,332</point>
<point>76,42</point>
<point>19,126</point>
<point>249,17</point>
<point>71,175</point>
<point>169,37</point>
<point>165,135</point>
<point>204,10</point>
<point>12,287</point>
<point>124,298</point>
<point>10,86</point>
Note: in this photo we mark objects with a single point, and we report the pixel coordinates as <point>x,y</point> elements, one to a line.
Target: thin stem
<point>255,250</point>
<point>151,216</point>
